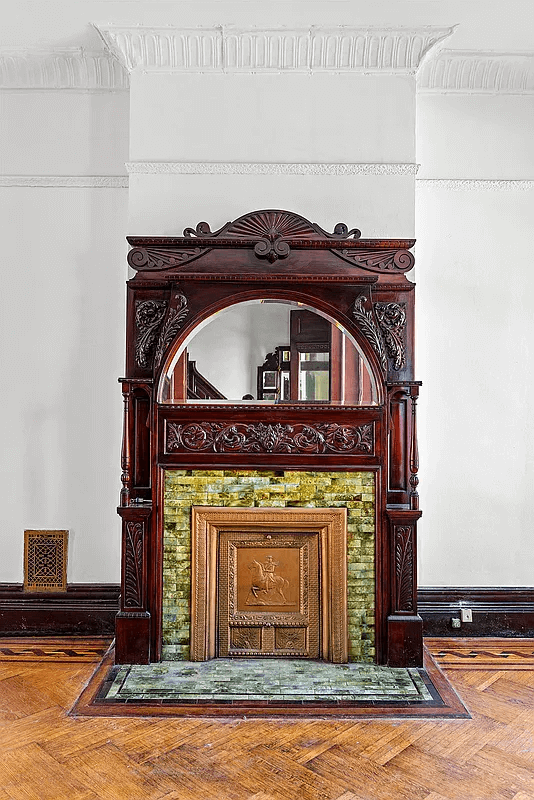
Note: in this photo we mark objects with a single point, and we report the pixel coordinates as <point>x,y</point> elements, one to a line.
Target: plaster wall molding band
<point>250,168</point>
<point>65,181</point>
<point>475,185</point>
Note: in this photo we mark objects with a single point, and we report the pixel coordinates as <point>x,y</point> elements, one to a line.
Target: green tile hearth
<point>264,488</point>
<point>283,680</point>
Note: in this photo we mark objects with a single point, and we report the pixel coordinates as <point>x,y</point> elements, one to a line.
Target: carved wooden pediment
<point>272,235</point>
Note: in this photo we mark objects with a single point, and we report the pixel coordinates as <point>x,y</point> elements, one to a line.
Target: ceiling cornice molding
<point>259,168</point>
<point>227,49</point>
<point>472,72</point>
<point>367,50</point>
<point>63,68</point>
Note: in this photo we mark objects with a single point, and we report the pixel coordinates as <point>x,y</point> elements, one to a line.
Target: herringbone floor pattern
<point>47,755</point>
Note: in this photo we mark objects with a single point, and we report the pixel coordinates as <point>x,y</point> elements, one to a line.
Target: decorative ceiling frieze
<point>474,72</point>
<point>65,68</point>
<point>365,50</point>
<point>226,49</point>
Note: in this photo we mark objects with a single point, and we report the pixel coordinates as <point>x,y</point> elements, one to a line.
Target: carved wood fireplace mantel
<point>360,286</point>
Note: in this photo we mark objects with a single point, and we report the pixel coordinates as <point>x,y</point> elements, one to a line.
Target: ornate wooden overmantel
<point>271,254</point>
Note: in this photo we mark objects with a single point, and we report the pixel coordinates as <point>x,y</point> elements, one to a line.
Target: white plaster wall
<point>63,320</point>
<point>61,439</point>
<point>475,330</point>
<point>475,136</point>
<point>272,117</point>
<point>62,328</point>
<point>63,133</point>
<point>163,205</point>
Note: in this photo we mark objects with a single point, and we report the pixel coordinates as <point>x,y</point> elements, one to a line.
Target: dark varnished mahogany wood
<point>85,609</point>
<point>272,254</point>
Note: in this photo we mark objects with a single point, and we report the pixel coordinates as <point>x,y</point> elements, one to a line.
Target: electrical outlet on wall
<point>466,615</point>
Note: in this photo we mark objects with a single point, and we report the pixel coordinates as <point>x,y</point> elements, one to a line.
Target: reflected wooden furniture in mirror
<point>332,425</point>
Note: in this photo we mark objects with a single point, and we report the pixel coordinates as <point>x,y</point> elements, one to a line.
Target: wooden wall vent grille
<point>45,561</point>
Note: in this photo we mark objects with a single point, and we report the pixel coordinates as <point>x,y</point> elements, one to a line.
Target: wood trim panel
<point>85,609</point>
<point>506,611</point>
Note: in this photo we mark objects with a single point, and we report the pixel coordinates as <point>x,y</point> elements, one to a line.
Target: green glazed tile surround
<point>263,488</point>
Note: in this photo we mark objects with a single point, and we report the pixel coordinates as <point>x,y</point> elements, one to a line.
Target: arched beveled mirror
<point>269,351</point>
<point>269,380</point>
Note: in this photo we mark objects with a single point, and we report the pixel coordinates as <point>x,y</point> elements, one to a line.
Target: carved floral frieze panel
<point>226,437</point>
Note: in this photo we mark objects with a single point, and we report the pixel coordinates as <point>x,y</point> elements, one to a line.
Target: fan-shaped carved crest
<point>271,225</point>
<point>272,230</point>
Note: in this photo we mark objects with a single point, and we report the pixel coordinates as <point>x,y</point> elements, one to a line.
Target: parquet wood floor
<point>45,754</point>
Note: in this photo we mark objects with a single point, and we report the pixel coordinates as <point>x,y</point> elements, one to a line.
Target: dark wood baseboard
<point>85,609</point>
<point>89,609</point>
<point>497,611</point>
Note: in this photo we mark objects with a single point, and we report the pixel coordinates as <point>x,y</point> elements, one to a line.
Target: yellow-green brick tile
<point>262,488</point>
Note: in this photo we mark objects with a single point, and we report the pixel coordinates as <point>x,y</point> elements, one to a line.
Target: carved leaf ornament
<point>148,317</point>
<point>133,584</point>
<point>394,261</point>
<point>392,320</point>
<point>221,437</point>
<point>160,258</point>
<point>173,323</point>
<point>404,568</point>
<point>365,319</point>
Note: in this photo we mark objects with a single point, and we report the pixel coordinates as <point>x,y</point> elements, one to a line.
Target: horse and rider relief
<point>266,587</point>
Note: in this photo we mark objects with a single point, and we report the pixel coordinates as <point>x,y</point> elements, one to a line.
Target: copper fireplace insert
<point>269,582</point>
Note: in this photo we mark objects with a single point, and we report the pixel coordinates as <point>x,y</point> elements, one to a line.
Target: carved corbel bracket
<point>149,315</point>
<point>363,314</point>
<point>178,311</point>
<point>392,321</point>
<point>157,324</point>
